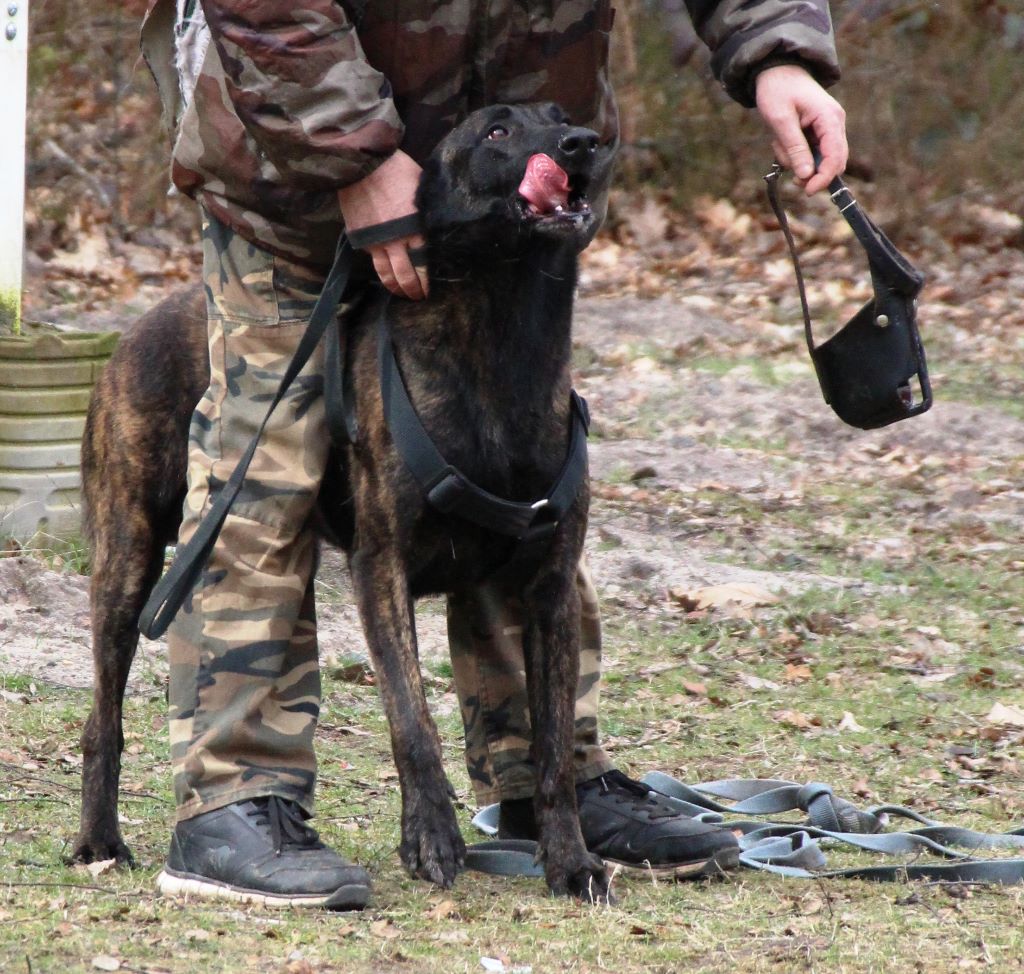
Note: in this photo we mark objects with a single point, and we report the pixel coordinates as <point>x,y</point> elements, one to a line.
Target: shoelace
<point>625,791</point>
<point>288,828</point>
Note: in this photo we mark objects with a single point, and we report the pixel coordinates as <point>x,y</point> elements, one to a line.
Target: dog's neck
<point>501,345</point>
<point>509,316</point>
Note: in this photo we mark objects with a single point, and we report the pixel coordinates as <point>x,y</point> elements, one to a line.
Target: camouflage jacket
<point>294,100</point>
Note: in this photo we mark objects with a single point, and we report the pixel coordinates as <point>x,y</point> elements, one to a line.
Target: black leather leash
<point>170,592</point>
<point>379,233</point>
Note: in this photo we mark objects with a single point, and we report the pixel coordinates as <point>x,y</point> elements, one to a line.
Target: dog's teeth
<point>559,208</point>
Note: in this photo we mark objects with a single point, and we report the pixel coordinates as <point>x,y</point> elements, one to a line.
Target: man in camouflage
<point>295,121</point>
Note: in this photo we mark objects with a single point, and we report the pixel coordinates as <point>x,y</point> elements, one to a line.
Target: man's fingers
<point>413,244</point>
<point>396,271</point>
<point>833,149</point>
<point>797,151</point>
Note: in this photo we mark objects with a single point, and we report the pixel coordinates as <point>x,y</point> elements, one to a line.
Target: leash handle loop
<point>379,233</point>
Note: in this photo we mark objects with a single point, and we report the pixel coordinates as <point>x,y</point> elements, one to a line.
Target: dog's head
<point>512,177</point>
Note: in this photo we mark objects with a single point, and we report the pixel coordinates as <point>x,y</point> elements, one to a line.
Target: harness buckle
<point>445,493</point>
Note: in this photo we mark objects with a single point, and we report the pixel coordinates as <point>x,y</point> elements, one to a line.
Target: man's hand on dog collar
<point>792,103</point>
<point>396,270</point>
<point>389,192</point>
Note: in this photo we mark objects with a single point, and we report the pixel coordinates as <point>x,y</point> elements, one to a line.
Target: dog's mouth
<point>549,194</point>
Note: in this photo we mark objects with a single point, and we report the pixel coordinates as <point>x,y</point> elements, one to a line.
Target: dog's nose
<point>577,144</point>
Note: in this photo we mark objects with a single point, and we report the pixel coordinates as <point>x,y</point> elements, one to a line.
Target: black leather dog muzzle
<point>867,369</point>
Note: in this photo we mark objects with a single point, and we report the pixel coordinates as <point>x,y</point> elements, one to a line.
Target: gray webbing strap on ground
<point>504,857</point>
<point>793,849</point>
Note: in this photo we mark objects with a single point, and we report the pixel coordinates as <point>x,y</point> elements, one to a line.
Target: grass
<point>55,918</point>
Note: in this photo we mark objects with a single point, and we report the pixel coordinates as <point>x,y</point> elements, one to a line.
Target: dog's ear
<point>555,112</point>
<point>442,198</point>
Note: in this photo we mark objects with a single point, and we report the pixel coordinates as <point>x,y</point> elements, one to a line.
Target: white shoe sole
<point>717,865</point>
<point>352,897</point>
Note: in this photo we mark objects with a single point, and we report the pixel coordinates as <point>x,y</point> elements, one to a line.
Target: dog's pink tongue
<point>545,185</point>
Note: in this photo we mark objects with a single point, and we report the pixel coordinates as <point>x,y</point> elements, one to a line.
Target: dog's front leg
<point>552,659</point>
<point>432,846</point>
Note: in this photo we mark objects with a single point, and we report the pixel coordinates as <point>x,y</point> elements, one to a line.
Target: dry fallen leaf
<point>729,595</point>
<point>849,723</point>
<point>97,869</point>
<point>1006,714</point>
<point>797,673</point>
<point>757,683</point>
<point>811,905</point>
<point>796,719</point>
<point>442,910</point>
<point>385,929</point>
<point>104,962</point>
<point>861,788</point>
<point>453,937</point>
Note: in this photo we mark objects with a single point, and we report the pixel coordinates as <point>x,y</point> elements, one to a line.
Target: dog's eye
<point>498,132</point>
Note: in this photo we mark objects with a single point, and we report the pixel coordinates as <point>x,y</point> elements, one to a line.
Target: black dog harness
<point>446,489</point>
<point>450,491</point>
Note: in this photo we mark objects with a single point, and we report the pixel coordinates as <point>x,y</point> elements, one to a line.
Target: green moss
<point>10,312</point>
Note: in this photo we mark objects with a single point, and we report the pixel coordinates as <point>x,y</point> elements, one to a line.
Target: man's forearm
<point>298,80</point>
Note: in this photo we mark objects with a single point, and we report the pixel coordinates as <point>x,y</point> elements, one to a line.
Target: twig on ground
<point>83,886</point>
<point>52,801</point>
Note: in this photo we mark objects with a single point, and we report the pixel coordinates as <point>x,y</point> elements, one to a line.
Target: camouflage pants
<point>245,683</point>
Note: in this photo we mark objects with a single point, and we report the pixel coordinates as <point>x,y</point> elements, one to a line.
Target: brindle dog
<point>486,363</point>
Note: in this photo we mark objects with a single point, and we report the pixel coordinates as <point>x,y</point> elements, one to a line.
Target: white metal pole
<point>13,94</point>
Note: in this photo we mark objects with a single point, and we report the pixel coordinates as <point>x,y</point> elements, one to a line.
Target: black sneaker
<point>260,851</point>
<point>624,822</point>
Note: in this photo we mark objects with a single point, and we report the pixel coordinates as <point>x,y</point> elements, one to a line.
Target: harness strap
<point>189,559</point>
<point>450,491</point>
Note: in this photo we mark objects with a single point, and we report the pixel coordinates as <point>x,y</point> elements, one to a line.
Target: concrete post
<point>13,93</point>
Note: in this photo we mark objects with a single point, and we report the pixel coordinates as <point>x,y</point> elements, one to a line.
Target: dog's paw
<point>583,877</point>
<point>87,850</point>
<point>432,846</point>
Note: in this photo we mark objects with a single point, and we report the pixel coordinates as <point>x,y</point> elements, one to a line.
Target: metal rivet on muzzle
<point>882,321</point>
